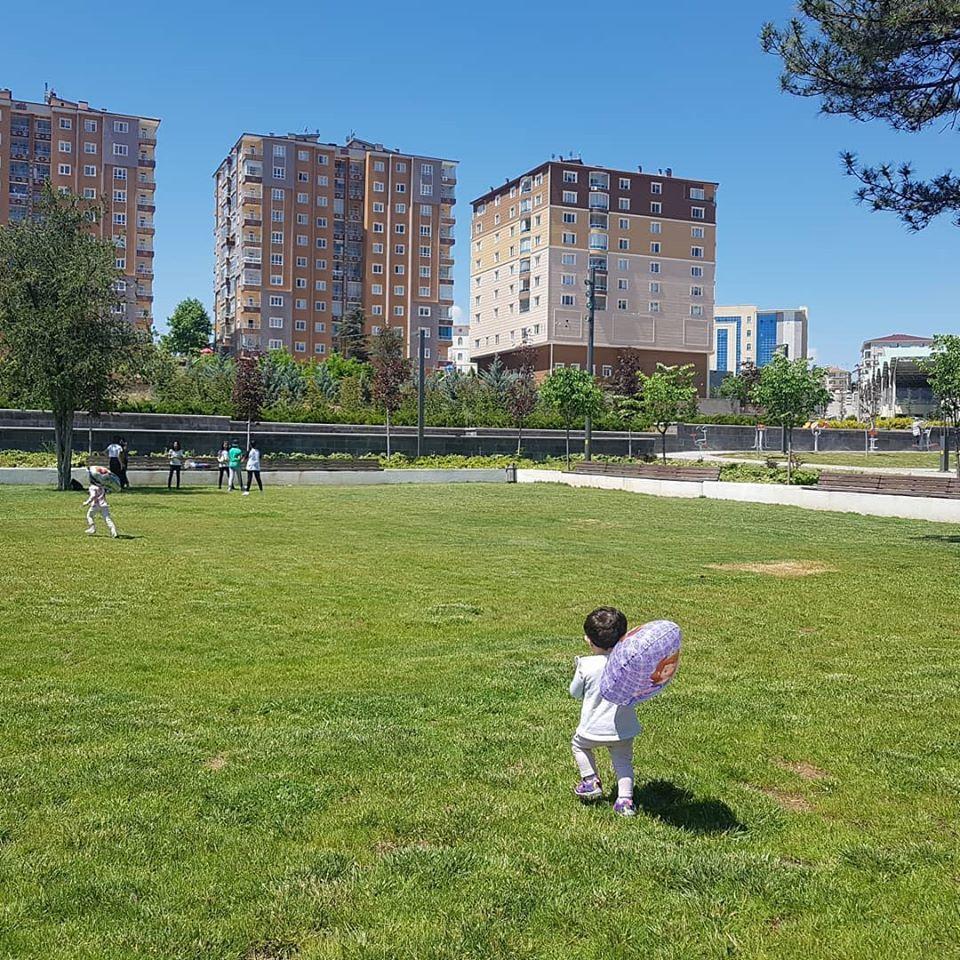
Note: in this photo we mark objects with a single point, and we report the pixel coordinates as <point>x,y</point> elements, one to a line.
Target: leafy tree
<point>790,392</point>
<point>943,370</point>
<point>190,328</point>
<point>574,394</point>
<point>391,370</point>
<point>522,396</point>
<point>351,341</point>
<point>249,392</point>
<point>340,367</point>
<point>66,347</point>
<point>668,396</point>
<point>740,386</point>
<point>625,381</point>
<point>880,60</point>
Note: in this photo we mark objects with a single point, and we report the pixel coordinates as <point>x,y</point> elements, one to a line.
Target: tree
<point>522,396</point>
<point>68,346</point>
<point>190,328</point>
<point>351,341</point>
<point>574,394</point>
<point>880,60</point>
<point>391,370</point>
<point>790,392</point>
<point>668,396</point>
<point>625,381</point>
<point>943,370</point>
<point>249,392</point>
<point>740,386</point>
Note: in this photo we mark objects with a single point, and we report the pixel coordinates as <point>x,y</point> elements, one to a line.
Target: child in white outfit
<point>602,723</point>
<point>97,502</point>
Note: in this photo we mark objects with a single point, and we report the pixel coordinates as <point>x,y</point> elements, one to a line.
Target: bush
<point>756,473</point>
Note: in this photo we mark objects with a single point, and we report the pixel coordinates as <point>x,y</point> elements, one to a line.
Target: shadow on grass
<point>939,537</point>
<point>679,808</point>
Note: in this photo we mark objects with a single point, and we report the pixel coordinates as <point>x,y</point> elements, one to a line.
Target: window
<point>696,252</point>
<point>319,327</point>
<point>121,263</point>
<point>301,283</point>
<point>119,173</point>
<point>66,123</point>
<point>276,300</point>
<point>400,228</point>
<point>656,227</point>
<point>621,304</point>
<point>378,248</point>
<point>569,176</point>
<point>90,148</point>
<point>424,312</point>
<point>623,244</point>
<point>426,230</point>
<point>119,196</point>
<point>320,306</point>
<point>276,216</point>
<point>398,311</point>
<point>120,219</point>
<point>656,207</point>
<point>276,280</point>
<point>696,271</point>
<point>697,213</point>
<point>696,233</point>
<point>303,177</point>
<point>279,173</point>
<point>90,126</point>
<point>276,193</point>
<point>279,150</point>
<point>399,269</point>
<point>697,193</point>
<point>696,310</point>
<point>424,271</point>
<point>569,217</point>
<point>300,347</point>
<point>376,268</point>
<point>569,238</point>
<point>376,310</point>
<point>275,344</point>
<point>624,223</point>
<point>377,227</point>
<point>398,290</point>
<point>378,207</point>
<point>655,246</point>
<point>89,193</point>
<point>401,187</point>
<point>697,291</point>
<point>90,170</point>
<point>401,167</point>
<point>425,210</point>
<point>568,259</point>
<point>656,187</point>
<point>120,150</point>
<point>300,304</point>
<point>567,280</point>
<point>424,251</point>
<point>426,189</point>
<point>319,348</point>
<point>399,208</point>
<point>66,146</point>
<point>567,299</point>
<point>300,324</point>
<point>323,159</point>
<point>654,286</point>
<point>321,243</point>
<point>622,283</point>
<point>654,306</point>
<point>276,323</point>
<point>320,264</point>
<point>301,239</point>
<point>654,267</point>
<point>569,196</point>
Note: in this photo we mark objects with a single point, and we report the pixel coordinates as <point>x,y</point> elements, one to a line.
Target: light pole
<point>591,284</point>
<point>420,390</point>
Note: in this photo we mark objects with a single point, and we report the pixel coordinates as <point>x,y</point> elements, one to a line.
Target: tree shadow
<point>939,537</point>
<point>679,808</point>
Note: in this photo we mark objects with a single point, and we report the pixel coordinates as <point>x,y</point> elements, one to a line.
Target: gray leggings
<point>621,755</point>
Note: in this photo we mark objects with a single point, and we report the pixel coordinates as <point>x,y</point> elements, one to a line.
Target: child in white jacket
<point>602,723</point>
<point>97,502</point>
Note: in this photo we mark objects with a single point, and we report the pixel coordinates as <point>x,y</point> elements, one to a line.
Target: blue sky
<point>500,87</point>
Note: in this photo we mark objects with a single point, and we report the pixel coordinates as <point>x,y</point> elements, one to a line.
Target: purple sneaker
<point>624,806</point>
<point>588,788</point>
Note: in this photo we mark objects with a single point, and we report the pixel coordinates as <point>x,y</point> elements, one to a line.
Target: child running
<point>602,723</point>
<point>253,468</point>
<point>97,502</point>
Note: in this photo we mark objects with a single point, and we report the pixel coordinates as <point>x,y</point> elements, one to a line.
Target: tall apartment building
<point>746,333</point>
<point>306,232</point>
<point>99,155</point>
<point>651,238</point>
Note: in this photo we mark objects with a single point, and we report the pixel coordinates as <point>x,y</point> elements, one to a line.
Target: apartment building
<point>747,333</point>
<point>99,155</point>
<point>306,232</point>
<point>651,239</point>
<point>872,352</point>
<point>458,355</point>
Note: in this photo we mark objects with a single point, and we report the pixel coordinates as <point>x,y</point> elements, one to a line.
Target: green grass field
<point>333,723</point>
<point>893,458</point>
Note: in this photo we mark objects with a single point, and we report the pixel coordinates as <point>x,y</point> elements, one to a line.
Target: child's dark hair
<point>605,626</point>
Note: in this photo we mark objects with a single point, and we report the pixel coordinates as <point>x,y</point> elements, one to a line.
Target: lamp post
<point>591,284</point>
<point>420,390</point>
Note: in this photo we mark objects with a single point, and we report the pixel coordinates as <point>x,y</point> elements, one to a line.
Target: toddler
<point>97,502</point>
<point>602,723</point>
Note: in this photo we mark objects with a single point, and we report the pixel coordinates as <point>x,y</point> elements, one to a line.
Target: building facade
<point>105,157</point>
<point>651,239</point>
<point>307,232</point>
<point>746,333</point>
<point>872,351</point>
<point>892,380</point>
<point>839,384</point>
<point>458,355</point>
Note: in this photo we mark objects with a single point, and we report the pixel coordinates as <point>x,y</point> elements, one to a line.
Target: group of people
<point>230,461</point>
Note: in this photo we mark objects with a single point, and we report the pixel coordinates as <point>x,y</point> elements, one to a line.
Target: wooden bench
<point>890,483</point>
<point>266,464</point>
<point>649,471</point>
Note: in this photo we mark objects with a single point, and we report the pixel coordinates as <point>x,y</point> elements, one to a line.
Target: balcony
<point>145,225</point>
<point>146,207</point>
<point>146,162</point>
<point>147,136</point>
<point>144,184</point>
<point>598,201</point>
<point>141,252</point>
<point>145,273</point>
<point>252,222</point>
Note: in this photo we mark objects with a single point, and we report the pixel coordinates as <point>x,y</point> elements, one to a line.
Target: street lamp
<point>591,285</point>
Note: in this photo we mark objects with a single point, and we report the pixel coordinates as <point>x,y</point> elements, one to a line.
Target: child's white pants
<point>235,478</point>
<point>105,513</point>
<point>621,755</point>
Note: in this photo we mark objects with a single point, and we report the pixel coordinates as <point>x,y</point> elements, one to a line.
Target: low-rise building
<point>745,333</point>
<point>892,381</point>
<point>458,353</point>
<point>839,384</point>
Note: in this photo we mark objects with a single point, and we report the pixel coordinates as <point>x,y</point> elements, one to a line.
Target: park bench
<point>649,471</point>
<point>266,464</point>
<point>889,483</point>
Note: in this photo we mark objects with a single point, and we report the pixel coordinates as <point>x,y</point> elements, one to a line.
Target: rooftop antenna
<point>352,135</point>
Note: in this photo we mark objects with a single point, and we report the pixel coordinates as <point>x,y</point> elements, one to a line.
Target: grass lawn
<point>333,723</point>
<point>893,458</point>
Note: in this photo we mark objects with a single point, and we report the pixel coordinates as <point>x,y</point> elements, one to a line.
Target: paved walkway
<point>714,456</point>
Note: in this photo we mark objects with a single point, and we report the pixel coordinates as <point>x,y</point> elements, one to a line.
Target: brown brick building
<point>306,232</point>
<point>102,156</point>
<point>652,239</point>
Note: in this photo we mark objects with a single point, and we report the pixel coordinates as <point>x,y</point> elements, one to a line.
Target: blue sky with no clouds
<point>500,87</point>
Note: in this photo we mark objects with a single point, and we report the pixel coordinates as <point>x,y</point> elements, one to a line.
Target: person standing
<point>113,453</point>
<point>124,463</point>
<point>97,503</point>
<point>176,463</point>
<point>253,468</point>
<point>235,460</point>
<point>223,464</point>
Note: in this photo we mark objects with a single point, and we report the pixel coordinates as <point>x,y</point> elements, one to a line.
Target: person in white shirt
<point>602,723</point>
<point>175,454</point>
<point>97,502</point>
<point>253,468</point>
<point>223,463</point>
<point>114,452</point>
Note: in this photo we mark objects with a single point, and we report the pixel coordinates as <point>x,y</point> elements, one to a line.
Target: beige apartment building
<point>99,155</point>
<point>651,238</point>
<point>306,232</point>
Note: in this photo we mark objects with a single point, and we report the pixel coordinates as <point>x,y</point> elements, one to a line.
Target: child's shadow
<point>680,808</point>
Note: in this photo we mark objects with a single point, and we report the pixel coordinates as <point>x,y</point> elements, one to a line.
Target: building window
<point>567,299</point>
<point>279,173</point>
<point>275,300</point>
<point>656,206</point>
<point>697,213</point>
<point>696,271</point>
<point>623,244</point>
<point>401,187</point>
<point>656,187</point>
<point>120,150</point>
<point>696,252</point>
<point>697,193</point>
<point>621,304</point>
<point>654,306</point>
<point>569,217</point>
<point>656,227</point>
<point>276,323</point>
<point>697,292</point>
<point>696,233</point>
<point>569,196</point>
<point>300,347</point>
<point>300,324</point>
<point>696,310</point>
<point>90,148</point>
<point>90,170</point>
<point>655,246</point>
<point>319,348</point>
<point>569,238</point>
<point>569,176</point>
<point>654,267</point>
<point>66,146</point>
